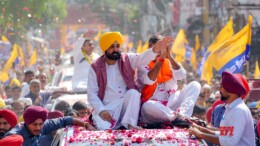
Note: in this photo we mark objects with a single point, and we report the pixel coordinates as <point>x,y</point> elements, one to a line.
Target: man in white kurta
<point>236,126</point>
<point>83,57</point>
<point>166,103</point>
<point>120,106</point>
<point>28,76</point>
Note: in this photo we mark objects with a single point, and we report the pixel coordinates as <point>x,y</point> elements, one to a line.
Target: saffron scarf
<point>88,58</point>
<point>164,75</point>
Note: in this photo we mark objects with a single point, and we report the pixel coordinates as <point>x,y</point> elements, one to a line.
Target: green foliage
<point>17,16</point>
<point>126,15</point>
<point>116,13</point>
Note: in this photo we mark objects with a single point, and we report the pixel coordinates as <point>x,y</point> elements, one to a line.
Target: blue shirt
<point>45,97</point>
<point>49,126</point>
<point>46,140</point>
<point>217,114</point>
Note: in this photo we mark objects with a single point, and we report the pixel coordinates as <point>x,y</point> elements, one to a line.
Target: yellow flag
<point>197,43</point>
<point>257,72</point>
<point>13,56</point>
<point>225,33</point>
<point>258,105</point>
<point>207,72</point>
<point>21,55</point>
<point>139,47</point>
<point>179,45</point>
<point>62,51</point>
<point>33,59</point>
<point>4,76</point>
<point>5,39</point>
<point>130,45</point>
<point>233,53</point>
<point>193,59</point>
<point>178,58</point>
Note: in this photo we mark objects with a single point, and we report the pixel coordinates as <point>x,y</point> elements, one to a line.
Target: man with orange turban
<point>162,101</point>
<point>8,120</point>
<point>111,84</point>
<point>236,125</point>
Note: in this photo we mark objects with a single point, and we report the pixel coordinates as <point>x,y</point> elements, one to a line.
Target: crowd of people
<point>125,89</point>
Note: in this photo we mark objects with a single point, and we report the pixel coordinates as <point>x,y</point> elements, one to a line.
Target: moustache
<point>36,131</point>
<point>223,98</point>
<point>115,53</point>
<point>4,130</point>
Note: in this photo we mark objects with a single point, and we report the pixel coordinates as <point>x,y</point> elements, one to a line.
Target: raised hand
<point>162,44</point>
<point>163,53</point>
<point>38,100</point>
<point>169,55</point>
<point>89,33</point>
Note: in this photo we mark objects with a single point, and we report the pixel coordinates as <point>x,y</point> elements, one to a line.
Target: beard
<point>113,56</point>
<point>2,132</point>
<point>223,98</point>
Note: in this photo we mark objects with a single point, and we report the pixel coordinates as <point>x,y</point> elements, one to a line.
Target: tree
<point>117,13</point>
<point>18,16</point>
<point>127,16</point>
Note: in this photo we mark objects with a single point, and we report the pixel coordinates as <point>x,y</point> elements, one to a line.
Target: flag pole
<point>250,20</point>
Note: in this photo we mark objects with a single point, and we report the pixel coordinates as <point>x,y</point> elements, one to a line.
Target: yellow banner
<point>197,43</point>
<point>4,76</point>
<point>225,33</point>
<point>193,59</point>
<point>139,47</point>
<point>21,55</point>
<point>12,58</point>
<point>231,48</point>
<point>179,45</point>
<point>257,72</point>
<point>5,39</point>
<point>33,59</point>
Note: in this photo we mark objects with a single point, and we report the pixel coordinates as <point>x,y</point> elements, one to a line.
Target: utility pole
<point>205,16</point>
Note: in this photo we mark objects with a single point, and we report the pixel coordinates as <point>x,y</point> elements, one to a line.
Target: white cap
<point>27,101</point>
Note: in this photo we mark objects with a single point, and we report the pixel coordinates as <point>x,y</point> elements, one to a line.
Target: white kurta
<point>81,67</point>
<point>182,101</point>
<point>123,104</point>
<point>25,90</point>
<point>236,126</point>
